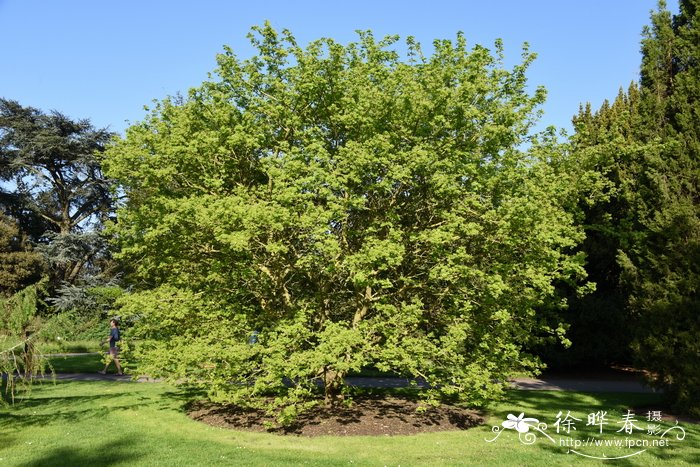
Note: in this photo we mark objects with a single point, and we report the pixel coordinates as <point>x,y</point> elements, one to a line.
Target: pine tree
<point>646,145</point>
<point>662,265</point>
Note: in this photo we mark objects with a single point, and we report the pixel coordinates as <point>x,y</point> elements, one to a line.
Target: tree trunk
<point>332,385</point>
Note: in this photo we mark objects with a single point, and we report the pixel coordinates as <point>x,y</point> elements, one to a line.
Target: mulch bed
<point>369,416</point>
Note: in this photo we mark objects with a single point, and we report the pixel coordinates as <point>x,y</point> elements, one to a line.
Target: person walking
<point>114,337</point>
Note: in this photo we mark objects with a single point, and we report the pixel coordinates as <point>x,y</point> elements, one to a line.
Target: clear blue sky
<point>105,60</point>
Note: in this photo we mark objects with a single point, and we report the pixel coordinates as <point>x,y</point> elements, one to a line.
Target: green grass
<point>113,423</point>
<point>69,346</point>
<point>79,363</point>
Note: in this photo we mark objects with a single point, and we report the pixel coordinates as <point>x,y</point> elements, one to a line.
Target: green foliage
<point>352,207</point>
<point>56,191</point>
<point>52,161</point>
<point>97,301</point>
<point>19,266</point>
<point>647,145</point>
<point>20,360</point>
<point>71,326</point>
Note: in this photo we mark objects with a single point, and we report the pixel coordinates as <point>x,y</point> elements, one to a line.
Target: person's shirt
<point>114,337</point>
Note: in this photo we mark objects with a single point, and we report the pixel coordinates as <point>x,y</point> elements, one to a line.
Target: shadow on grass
<point>62,415</point>
<point>181,400</point>
<point>77,363</point>
<point>546,405</point>
<point>51,402</point>
<point>615,455</point>
<point>577,402</point>
<point>117,451</point>
<point>38,410</point>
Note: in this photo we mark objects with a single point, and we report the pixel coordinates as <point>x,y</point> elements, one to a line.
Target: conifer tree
<point>54,186</point>
<point>647,146</point>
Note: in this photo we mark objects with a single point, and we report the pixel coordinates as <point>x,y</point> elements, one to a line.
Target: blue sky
<point>105,60</point>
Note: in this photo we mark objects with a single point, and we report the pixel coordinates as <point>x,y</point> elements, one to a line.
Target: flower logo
<point>519,423</point>
<point>522,425</point>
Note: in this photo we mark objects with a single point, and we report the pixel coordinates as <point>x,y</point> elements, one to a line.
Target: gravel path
<point>582,384</point>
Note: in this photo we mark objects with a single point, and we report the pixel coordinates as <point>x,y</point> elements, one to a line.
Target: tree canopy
<point>645,238</point>
<point>349,207</point>
<point>54,186</point>
<point>51,159</point>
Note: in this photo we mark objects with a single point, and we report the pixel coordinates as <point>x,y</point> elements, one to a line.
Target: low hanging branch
<point>20,366</point>
<point>23,363</point>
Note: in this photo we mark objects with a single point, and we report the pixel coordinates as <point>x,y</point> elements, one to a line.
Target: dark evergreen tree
<point>54,185</point>
<point>644,236</point>
<point>662,262</point>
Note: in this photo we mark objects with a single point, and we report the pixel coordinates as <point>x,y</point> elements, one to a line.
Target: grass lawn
<point>90,363</point>
<point>70,346</point>
<point>115,423</point>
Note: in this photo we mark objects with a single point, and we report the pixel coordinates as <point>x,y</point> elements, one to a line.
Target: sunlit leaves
<point>354,208</point>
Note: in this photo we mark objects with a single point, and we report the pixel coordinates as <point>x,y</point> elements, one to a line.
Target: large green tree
<point>348,207</point>
<point>647,144</point>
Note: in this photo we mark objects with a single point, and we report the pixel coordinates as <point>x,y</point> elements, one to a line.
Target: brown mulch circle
<point>375,416</point>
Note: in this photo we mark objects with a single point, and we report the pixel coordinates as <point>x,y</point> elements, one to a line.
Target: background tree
<point>607,154</point>
<point>19,265</point>
<point>52,171</point>
<point>53,182</point>
<point>351,208</point>
<point>664,266</point>
<point>647,144</point>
